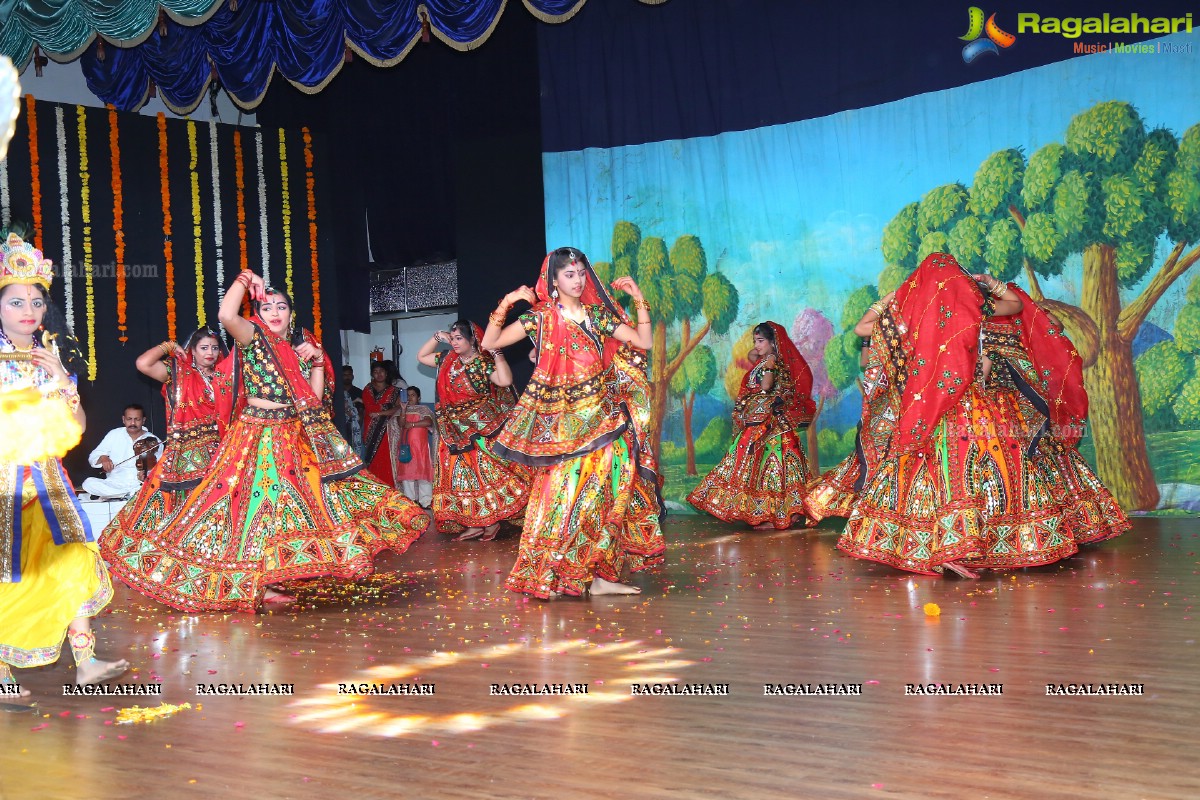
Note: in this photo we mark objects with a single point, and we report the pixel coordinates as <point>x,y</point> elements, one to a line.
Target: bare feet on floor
<point>468,534</point>
<point>960,570</point>
<point>96,671</point>
<point>273,595</point>
<point>601,586</point>
<point>490,532</point>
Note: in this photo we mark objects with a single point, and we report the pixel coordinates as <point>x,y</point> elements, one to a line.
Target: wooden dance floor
<point>731,607</point>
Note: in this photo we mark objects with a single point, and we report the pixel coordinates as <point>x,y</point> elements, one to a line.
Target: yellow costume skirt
<point>58,583</point>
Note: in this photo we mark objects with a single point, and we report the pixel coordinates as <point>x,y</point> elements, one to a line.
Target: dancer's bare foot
<point>469,534</point>
<point>271,595</point>
<point>764,526</point>
<point>960,570</point>
<point>601,586</point>
<point>94,671</point>
<point>490,532</point>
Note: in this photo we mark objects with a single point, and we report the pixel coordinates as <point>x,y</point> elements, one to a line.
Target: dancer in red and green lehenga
<point>956,489</point>
<point>588,520</point>
<point>763,479</point>
<point>474,490</point>
<point>284,498</point>
<point>52,579</point>
<point>834,493</point>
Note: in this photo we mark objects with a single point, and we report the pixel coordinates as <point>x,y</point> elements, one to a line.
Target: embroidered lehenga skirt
<point>263,515</point>
<point>969,494</point>
<point>764,476</point>
<point>475,489</point>
<point>587,517</point>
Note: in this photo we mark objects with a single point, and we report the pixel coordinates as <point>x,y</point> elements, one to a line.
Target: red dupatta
<point>798,406</point>
<point>186,395</point>
<point>1059,368</point>
<point>933,330</point>
<point>568,409</point>
<point>463,412</point>
<point>335,458</point>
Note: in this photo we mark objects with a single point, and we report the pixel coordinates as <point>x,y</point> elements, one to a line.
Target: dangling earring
<point>291,327</point>
<point>554,293</point>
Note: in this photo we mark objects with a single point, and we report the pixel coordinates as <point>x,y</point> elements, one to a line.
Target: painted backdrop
<point>1079,180</point>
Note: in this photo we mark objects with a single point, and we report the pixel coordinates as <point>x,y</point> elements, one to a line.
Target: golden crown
<point>20,262</point>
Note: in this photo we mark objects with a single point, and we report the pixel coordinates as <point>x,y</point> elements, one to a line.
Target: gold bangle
<point>167,347</point>
<point>878,308</point>
<point>1003,287</point>
<point>641,303</point>
<point>497,319</point>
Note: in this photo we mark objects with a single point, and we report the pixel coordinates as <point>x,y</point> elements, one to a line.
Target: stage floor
<point>731,607</point>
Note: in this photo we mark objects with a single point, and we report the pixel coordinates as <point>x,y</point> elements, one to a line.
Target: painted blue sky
<point>793,213</point>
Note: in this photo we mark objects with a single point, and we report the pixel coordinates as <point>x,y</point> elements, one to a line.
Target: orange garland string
<point>240,181</point>
<point>168,255</point>
<point>114,149</point>
<point>310,186</point>
<point>35,169</point>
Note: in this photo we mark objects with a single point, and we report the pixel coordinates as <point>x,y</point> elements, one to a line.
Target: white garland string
<point>67,265</point>
<point>216,200</point>
<point>262,208</point>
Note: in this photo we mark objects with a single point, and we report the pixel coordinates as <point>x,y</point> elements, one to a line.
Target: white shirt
<point>118,446</point>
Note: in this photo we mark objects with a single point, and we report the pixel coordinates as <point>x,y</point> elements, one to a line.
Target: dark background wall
<point>442,154</point>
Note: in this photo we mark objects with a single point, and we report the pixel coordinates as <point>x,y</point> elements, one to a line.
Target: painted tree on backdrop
<point>680,290</point>
<point>1107,193</point>
<point>696,376</point>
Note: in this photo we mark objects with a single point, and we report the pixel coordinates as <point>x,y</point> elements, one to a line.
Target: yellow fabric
<point>58,583</point>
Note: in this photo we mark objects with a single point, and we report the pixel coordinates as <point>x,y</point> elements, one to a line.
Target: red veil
<point>799,407</point>
<point>185,395</point>
<point>486,418</point>
<point>1059,368</point>
<point>933,332</point>
<point>572,389</point>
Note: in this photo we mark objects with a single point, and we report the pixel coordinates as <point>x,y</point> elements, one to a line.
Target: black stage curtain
<point>442,154</point>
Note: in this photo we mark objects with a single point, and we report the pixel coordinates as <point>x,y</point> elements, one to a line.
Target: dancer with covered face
<point>956,489</point>
<point>283,499</point>
<point>571,427</point>
<point>52,579</point>
<point>763,478</point>
<point>474,489</point>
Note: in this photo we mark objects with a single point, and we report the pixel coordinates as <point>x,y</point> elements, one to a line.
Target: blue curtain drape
<point>305,40</point>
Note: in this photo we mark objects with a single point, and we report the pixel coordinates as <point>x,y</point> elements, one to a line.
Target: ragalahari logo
<point>983,37</point>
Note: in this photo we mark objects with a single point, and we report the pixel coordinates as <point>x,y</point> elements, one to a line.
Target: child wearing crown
<point>52,579</point>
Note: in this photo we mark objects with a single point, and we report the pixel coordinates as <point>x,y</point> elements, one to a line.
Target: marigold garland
<point>64,207</point>
<point>239,179</point>
<point>114,148</point>
<point>85,200</point>
<point>135,714</point>
<point>310,186</point>
<point>168,250</point>
<point>35,169</point>
<point>287,212</point>
<point>197,240</point>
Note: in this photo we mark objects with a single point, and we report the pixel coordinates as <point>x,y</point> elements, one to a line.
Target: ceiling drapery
<point>240,43</point>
